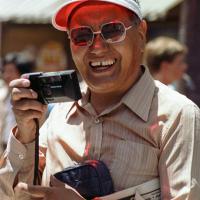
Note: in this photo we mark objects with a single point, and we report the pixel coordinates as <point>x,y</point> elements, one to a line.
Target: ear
<point>142,32</point>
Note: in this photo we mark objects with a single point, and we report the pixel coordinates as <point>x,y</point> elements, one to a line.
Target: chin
<point>104,89</point>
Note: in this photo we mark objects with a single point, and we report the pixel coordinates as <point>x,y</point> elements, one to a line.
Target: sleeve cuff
<point>19,154</point>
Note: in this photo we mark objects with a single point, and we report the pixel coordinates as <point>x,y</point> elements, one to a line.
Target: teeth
<point>102,63</point>
<point>94,64</point>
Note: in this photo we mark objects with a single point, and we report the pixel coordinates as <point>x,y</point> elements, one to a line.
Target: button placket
<point>96,134</point>
<point>96,120</point>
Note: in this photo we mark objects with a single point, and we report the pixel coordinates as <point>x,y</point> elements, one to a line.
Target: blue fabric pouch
<point>91,179</point>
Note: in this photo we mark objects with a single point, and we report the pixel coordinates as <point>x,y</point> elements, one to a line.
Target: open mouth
<point>104,65</point>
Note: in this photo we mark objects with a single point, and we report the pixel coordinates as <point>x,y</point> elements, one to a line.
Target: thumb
<point>54,182</point>
<point>21,187</point>
<point>34,191</point>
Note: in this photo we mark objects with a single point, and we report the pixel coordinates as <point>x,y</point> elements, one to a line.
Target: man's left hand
<point>58,191</point>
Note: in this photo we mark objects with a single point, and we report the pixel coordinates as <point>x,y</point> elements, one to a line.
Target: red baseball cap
<point>60,18</point>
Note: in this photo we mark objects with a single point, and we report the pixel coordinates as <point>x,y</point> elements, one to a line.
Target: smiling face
<point>108,68</point>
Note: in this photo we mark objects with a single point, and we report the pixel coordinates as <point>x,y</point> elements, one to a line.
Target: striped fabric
<point>152,132</point>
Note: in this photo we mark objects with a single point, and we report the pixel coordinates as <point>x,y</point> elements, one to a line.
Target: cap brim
<point>60,19</point>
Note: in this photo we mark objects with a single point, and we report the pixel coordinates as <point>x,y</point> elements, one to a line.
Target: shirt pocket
<point>133,164</point>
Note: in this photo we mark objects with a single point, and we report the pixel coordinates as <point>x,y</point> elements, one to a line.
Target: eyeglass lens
<point>111,32</point>
<point>81,36</point>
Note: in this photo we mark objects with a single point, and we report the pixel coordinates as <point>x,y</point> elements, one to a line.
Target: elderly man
<point>137,126</point>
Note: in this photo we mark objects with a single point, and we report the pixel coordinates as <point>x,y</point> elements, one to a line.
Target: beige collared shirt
<point>152,132</point>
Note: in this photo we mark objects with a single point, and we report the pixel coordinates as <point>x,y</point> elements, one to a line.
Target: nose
<point>99,45</point>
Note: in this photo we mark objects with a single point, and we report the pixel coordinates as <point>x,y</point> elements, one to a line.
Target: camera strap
<point>36,169</point>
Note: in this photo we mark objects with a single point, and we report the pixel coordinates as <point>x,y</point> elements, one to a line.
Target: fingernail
<point>26,83</point>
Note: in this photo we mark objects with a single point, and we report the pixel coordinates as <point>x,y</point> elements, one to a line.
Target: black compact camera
<point>53,87</point>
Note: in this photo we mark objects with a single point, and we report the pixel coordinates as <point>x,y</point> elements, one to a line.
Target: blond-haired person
<point>165,58</point>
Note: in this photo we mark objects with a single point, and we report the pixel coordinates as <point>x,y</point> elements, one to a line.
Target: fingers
<point>48,193</point>
<point>21,186</point>
<point>34,191</point>
<point>55,182</point>
<point>26,108</point>
<point>38,191</point>
<point>25,99</point>
<point>20,83</point>
<point>23,117</point>
<point>20,89</point>
<point>25,104</point>
<point>20,93</point>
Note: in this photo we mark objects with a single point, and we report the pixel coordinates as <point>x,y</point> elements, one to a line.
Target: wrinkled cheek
<point>77,55</point>
<point>129,58</point>
<point>78,59</point>
<point>74,49</point>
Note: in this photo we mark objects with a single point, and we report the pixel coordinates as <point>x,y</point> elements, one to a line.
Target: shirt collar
<point>139,97</point>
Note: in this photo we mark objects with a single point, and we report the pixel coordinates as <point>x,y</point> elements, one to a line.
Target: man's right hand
<point>26,108</point>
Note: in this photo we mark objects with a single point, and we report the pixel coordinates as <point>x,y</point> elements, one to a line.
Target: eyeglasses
<point>111,32</point>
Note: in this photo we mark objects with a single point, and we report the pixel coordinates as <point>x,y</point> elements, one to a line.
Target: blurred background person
<point>165,58</point>
<point>13,66</point>
<point>185,85</point>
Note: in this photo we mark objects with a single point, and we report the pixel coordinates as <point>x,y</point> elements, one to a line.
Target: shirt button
<point>96,121</point>
<point>21,156</point>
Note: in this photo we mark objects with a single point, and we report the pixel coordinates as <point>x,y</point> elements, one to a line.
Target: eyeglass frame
<point>136,22</point>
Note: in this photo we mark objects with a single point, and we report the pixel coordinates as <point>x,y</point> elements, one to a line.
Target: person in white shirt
<point>13,66</point>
